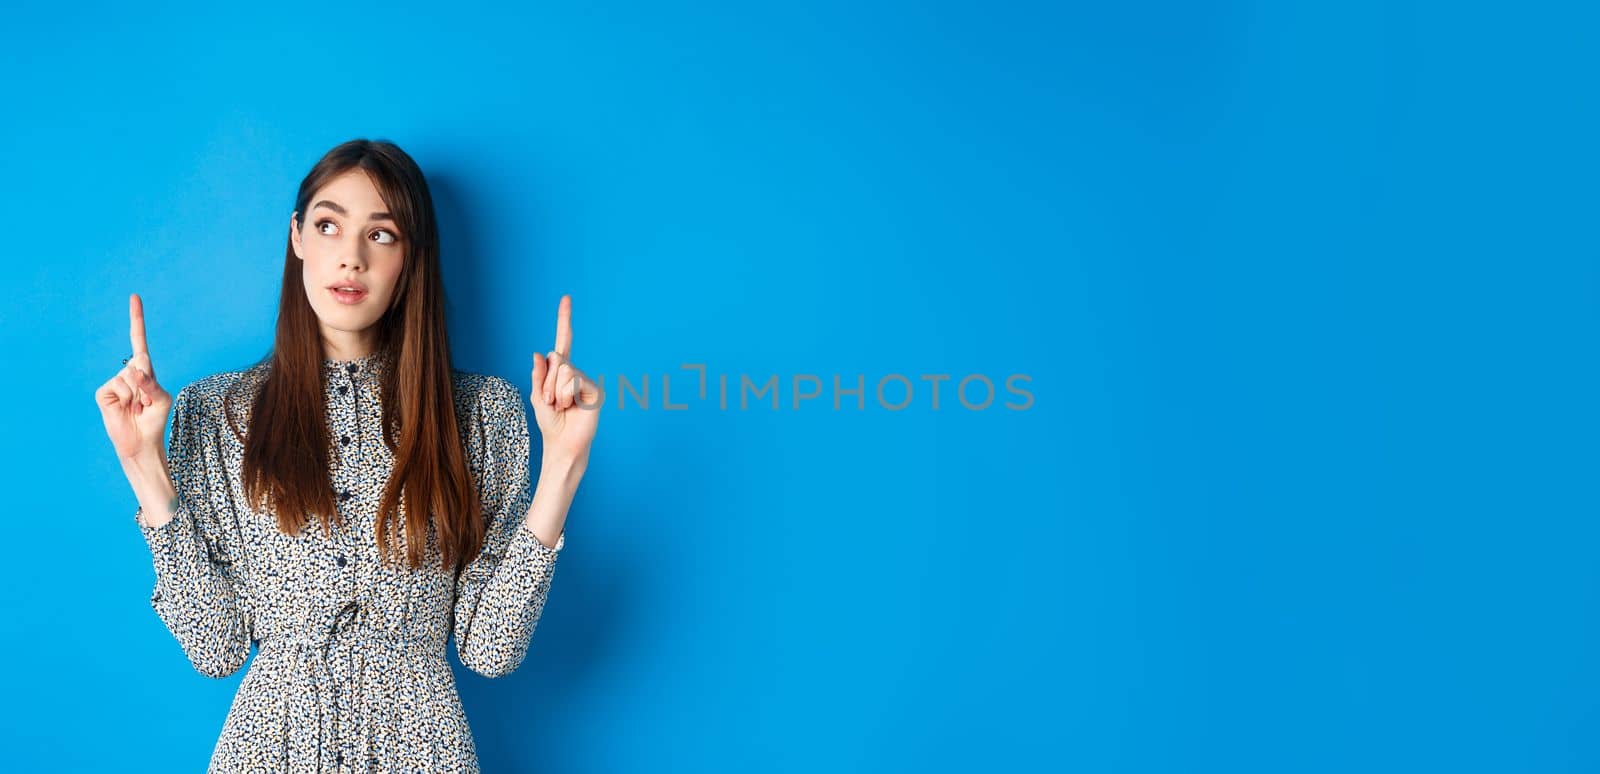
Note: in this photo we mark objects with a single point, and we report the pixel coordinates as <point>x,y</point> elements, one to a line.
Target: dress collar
<point>370,365</point>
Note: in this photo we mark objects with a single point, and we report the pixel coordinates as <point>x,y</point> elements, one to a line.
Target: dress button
<point>344,388</point>
<point>338,759</point>
<point>351,368</point>
<point>344,440</point>
<point>339,560</point>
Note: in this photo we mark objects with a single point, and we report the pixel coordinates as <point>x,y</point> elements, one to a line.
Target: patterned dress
<point>350,672</point>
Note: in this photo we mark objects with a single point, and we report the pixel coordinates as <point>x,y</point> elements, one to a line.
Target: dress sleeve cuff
<point>526,535</point>
<point>172,545</point>
<point>161,538</point>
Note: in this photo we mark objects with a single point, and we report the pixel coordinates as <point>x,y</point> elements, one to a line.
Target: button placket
<point>348,546</point>
<point>347,414</point>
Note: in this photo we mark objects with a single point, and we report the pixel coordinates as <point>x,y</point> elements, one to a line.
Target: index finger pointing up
<point>136,324</point>
<point>564,327</point>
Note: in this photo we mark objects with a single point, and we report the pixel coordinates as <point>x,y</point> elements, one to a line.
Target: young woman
<point>351,500</point>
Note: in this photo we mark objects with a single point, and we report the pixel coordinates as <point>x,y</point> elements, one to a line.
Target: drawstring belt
<point>319,697</point>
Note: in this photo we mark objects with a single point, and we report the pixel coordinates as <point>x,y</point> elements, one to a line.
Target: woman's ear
<point>294,234</point>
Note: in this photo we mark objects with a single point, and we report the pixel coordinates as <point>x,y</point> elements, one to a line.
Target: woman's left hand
<point>566,402</point>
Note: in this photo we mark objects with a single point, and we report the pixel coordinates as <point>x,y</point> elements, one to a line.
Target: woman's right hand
<point>133,405</point>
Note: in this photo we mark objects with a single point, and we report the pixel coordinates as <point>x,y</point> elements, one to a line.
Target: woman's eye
<point>322,223</point>
<point>389,241</point>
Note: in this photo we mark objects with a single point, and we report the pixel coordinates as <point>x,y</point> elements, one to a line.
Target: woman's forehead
<point>351,191</point>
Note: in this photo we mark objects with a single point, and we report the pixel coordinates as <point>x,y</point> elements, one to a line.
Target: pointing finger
<point>564,327</point>
<point>136,324</point>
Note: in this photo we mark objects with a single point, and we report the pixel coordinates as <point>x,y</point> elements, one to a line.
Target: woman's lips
<point>346,297</point>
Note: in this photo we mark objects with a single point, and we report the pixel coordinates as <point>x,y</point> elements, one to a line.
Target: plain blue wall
<point>1307,297</point>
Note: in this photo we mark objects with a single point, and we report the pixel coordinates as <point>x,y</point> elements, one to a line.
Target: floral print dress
<point>350,670</point>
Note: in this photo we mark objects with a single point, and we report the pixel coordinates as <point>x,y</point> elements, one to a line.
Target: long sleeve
<point>196,590</point>
<point>500,594</point>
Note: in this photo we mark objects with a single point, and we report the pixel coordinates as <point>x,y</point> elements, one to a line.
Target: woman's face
<point>348,240</point>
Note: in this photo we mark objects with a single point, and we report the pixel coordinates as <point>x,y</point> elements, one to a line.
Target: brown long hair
<point>286,451</point>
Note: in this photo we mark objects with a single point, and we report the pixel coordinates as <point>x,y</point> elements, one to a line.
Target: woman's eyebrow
<point>336,208</point>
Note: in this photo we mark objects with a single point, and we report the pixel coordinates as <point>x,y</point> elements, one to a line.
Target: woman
<point>288,509</point>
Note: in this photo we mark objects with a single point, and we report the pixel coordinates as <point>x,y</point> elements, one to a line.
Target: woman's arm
<point>501,593</point>
<point>182,520</point>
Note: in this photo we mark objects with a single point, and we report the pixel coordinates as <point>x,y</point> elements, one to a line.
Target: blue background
<point>1306,294</point>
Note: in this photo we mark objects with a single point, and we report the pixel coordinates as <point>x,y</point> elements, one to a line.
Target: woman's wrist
<point>562,471</point>
<point>147,470</point>
<point>151,481</point>
<point>552,497</point>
